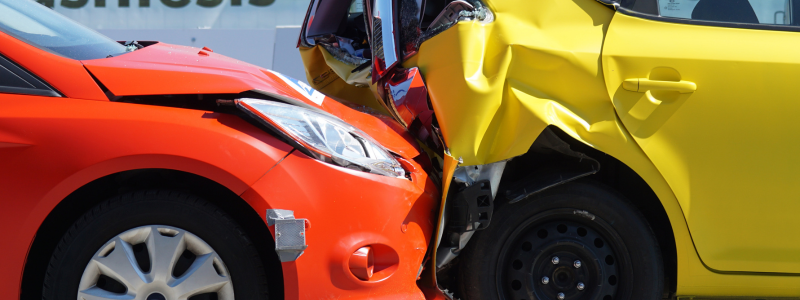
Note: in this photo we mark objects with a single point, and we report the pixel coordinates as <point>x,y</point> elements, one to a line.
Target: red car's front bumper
<point>348,210</point>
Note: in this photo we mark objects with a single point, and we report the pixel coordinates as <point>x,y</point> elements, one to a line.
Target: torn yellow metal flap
<point>333,78</point>
<point>450,164</point>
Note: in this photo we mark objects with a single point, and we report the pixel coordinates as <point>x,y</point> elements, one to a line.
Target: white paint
<point>302,88</point>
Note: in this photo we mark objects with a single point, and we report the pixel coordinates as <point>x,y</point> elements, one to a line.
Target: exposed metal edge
<point>534,192</point>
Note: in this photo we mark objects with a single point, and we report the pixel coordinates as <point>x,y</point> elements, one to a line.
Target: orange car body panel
<point>392,212</point>
<point>52,146</point>
<point>163,69</point>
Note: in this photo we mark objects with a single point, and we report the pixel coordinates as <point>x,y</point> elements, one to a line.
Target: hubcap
<point>559,259</point>
<point>155,263</point>
<point>156,296</point>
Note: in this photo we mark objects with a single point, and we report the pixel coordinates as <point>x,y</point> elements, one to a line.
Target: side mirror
<point>395,31</point>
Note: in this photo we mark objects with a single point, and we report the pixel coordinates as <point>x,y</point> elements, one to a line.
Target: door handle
<point>643,84</point>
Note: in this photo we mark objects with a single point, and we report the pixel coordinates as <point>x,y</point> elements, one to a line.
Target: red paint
<point>51,146</point>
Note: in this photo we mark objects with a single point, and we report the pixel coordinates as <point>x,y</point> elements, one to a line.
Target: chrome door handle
<point>643,84</point>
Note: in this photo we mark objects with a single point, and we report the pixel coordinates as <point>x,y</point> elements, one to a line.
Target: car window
<point>765,12</point>
<point>15,80</point>
<point>9,79</point>
<point>40,26</point>
<point>735,11</point>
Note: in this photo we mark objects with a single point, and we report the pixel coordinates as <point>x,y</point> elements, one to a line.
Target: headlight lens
<point>326,137</point>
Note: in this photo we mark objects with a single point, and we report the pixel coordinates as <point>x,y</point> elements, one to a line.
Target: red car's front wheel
<point>155,245</point>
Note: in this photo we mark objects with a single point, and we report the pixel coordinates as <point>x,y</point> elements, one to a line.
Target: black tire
<point>509,259</point>
<point>156,207</point>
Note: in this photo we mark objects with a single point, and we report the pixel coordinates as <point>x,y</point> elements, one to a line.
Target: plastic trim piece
<point>40,88</point>
<point>637,14</point>
<point>290,234</point>
<point>577,165</point>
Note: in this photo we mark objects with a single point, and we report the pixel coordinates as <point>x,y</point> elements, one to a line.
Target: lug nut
<point>577,264</point>
<point>545,280</point>
<point>561,296</point>
<point>555,260</point>
<point>581,286</point>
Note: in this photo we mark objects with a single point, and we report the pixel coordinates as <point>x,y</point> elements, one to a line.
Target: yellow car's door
<point>710,90</point>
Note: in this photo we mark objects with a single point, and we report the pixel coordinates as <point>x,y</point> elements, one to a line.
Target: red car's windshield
<point>42,27</point>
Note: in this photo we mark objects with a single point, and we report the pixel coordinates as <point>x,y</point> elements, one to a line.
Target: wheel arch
<point>68,210</point>
<point>625,180</point>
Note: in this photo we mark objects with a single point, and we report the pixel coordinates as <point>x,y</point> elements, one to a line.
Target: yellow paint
<point>496,86</point>
<point>449,168</point>
<point>644,84</point>
<point>727,149</point>
<point>522,72</point>
<point>333,78</point>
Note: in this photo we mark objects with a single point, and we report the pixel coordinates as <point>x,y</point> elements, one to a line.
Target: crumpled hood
<point>164,69</point>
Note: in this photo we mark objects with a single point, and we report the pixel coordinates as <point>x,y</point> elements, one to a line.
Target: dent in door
<point>495,86</point>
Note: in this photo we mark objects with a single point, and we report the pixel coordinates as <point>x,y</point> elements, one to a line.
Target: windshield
<point>40,26</point>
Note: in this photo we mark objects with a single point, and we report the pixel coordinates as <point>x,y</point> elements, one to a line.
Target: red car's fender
<point>347,210</point>
<point>68,143</point>
<point>53,146</point>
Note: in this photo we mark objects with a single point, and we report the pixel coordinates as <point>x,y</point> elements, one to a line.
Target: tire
<point>618,253</point>
<point>176,246</point>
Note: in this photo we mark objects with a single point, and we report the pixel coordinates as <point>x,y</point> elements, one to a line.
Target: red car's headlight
<point>326,137</point>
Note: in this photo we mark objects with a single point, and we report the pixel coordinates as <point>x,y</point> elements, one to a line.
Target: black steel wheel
<point>579,241</point>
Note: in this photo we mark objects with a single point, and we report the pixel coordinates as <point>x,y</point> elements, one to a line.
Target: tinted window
<point>767,12</point>
<point>15,80</point>
<point>40,26</point>
<point>9,79</point>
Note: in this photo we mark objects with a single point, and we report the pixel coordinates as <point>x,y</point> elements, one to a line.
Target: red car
<point>152,171</point>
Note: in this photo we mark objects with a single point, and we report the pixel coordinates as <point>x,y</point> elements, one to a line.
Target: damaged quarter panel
<point>495,86</point>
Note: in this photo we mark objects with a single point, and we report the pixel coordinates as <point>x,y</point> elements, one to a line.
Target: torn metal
<point>454,12</point>
<point>346,54</point>
<point>290,234</point>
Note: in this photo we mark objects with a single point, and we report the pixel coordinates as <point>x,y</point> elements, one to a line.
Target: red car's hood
<point>164,69</point>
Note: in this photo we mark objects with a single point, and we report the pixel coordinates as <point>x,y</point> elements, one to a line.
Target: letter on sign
<point>75,3</point>
<point>175,3</point>
<point>209,3</point>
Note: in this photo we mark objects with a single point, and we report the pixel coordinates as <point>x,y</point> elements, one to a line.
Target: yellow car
<point>632,149</point>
